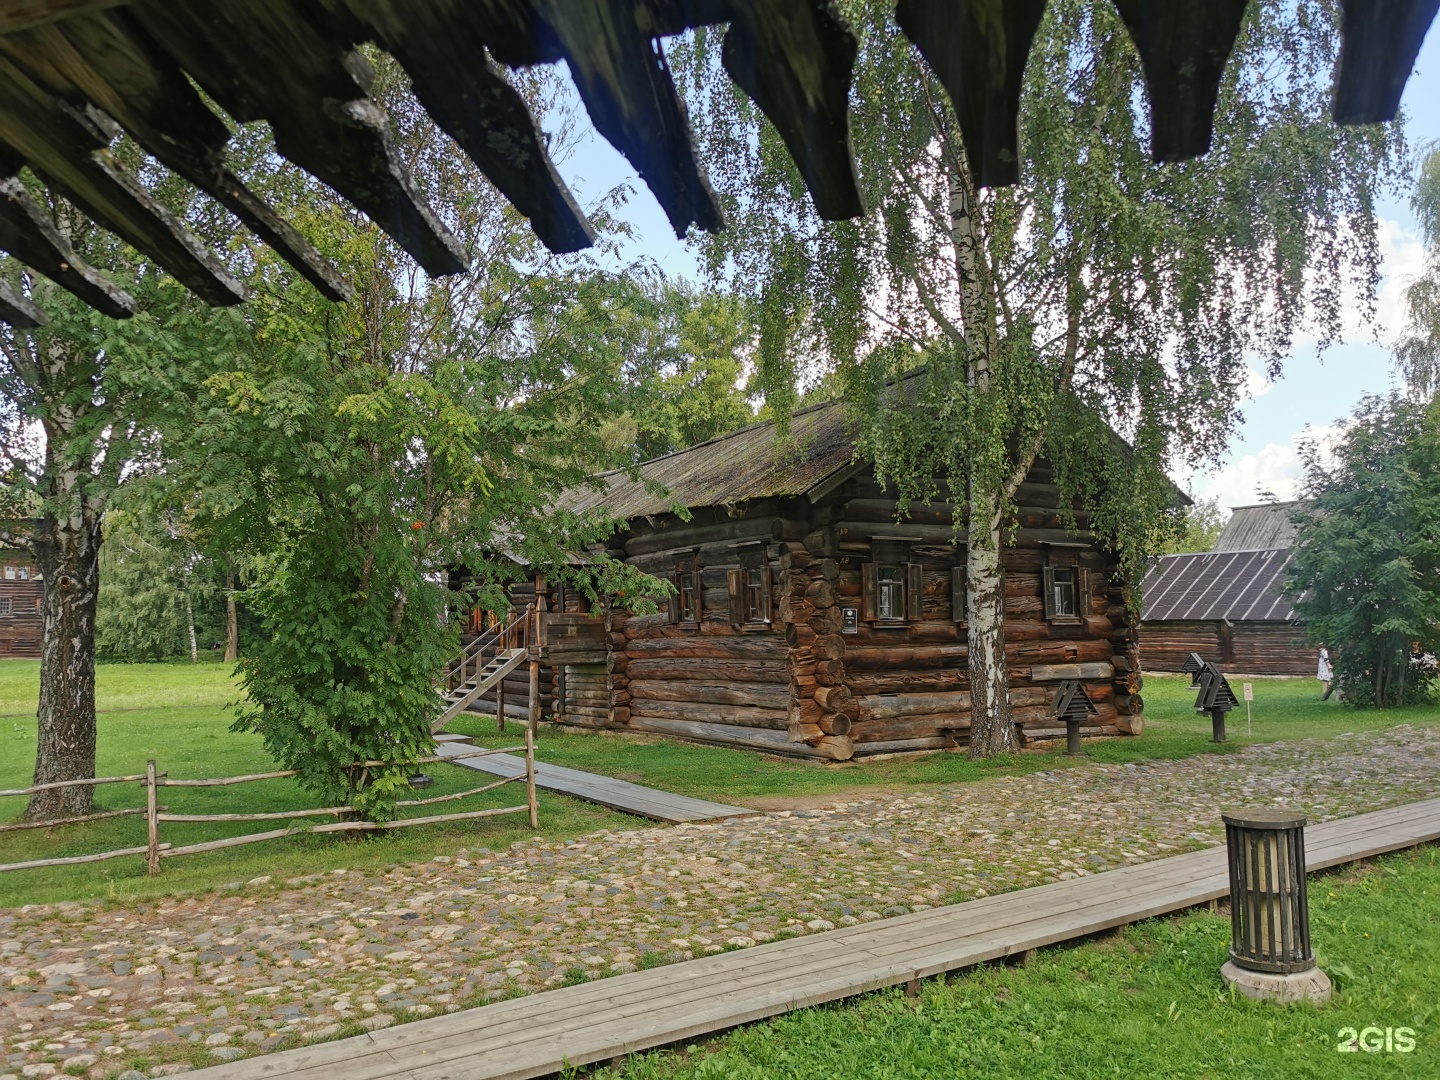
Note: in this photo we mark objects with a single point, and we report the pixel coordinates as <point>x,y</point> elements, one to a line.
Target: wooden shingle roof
<point>1255,528</point>
<point>747,464</point>
<point>1241,586</point>
<point>74,73</point>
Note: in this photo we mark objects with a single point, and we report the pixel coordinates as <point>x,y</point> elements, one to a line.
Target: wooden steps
<point>482,682</point>
<point>580,1025</point>
<point>617,794</point>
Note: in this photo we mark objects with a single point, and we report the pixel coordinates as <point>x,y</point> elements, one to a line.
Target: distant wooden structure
<point>22,593</point>
<point>1229,604</point>
<point>75,73</point>
<point>808,621</point>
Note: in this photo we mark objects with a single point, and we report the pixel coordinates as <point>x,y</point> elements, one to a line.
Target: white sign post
<point>1249,697</point>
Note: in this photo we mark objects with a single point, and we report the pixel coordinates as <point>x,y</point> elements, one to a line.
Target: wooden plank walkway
<point>617,794</point>
<point>596,1021</point>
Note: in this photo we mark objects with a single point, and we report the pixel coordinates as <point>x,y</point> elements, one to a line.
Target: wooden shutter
<point>699,594</point>
<point>914,592</point>
<point>1082,592</point>
<point>735,582</point>
<point>764,613</point>
<point>1048,577</point>
<point>869,590</point>
<point>673,602</point>
<point>959,594</point>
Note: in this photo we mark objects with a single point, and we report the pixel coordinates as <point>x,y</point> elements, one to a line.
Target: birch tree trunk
<point>68,554</point>
<point>992,730</point>
<point>190,625</point>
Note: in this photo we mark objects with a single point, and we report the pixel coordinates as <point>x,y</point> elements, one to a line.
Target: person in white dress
<point>1324,673</point>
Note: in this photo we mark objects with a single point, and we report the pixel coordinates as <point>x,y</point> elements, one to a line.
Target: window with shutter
<point>914,593</point>
<point>673,600</point>
<point>1061,597</point>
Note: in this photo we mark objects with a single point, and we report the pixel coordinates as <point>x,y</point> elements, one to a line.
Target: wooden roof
<point>73,73</point>
<point>748,464</point>
<point>1241,586</point>
<point>1254,528</point>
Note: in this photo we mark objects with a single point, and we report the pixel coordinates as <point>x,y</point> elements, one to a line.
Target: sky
<point>1315,390</point>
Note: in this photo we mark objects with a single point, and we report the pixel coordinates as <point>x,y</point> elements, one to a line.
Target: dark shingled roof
<point>1254,528</point>
<point>744,465</point>
<point>1242,586</point>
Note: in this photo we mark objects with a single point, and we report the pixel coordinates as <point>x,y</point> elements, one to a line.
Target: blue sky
<point>1314,391</point>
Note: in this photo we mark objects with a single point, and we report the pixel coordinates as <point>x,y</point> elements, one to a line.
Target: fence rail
<point>155,814</point>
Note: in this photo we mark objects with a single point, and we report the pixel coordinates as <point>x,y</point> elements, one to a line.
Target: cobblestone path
<point>91,990</point>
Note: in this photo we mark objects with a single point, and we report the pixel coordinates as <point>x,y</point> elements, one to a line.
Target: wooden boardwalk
<point>597,1021</point>
<point>617,794</point>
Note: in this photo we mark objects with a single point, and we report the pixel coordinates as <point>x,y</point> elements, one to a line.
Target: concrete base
<point>1312,985</point>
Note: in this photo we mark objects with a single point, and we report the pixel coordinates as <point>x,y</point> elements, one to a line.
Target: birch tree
<point>1100,289</point>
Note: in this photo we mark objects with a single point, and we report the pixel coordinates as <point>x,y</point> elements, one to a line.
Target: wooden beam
<point>627,90</point>
<point>441,45</point>
<point>1183,49</point>
<point>316,102</point>
<point>1379,44</point>
<point>23,14</point>
<point>109,60</point>
<point>18,310</point>
<point>795,61</point>
<point>68,149</point>
<point>978,49</point>
<point>28,233</point>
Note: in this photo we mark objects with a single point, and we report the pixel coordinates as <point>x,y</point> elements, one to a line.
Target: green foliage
<point>688,372</point>
<point>154,586</point>
<point>1099,289</point>
<point>1418,350</point>
<point>362,452</point>
<point>1367,555</point>
<point>1197,527</point>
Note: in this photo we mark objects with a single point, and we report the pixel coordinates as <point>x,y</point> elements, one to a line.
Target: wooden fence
<point>156,814</point>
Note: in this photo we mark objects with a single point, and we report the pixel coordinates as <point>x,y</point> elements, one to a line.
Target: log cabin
<point>1228,604</point>
<point>21,591</point>
<point>809,618</point>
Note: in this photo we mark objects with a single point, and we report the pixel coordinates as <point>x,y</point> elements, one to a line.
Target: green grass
<point>189,736</point>
<point>1283,709</point>
<point>1144,1002</point>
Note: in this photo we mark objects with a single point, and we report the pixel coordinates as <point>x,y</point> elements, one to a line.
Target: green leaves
<point>1366,573</point>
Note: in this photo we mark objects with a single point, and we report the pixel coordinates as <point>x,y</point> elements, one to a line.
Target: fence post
<point>534,644</point>
<point>530,777</point>
<point>152,818</point>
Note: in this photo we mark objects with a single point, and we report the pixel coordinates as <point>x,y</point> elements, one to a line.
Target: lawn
<point>177,714</point>
<point>1283,709</point>
<point>1144,1002</point>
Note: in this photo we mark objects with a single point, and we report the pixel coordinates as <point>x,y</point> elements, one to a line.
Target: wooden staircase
<point>481,666</point>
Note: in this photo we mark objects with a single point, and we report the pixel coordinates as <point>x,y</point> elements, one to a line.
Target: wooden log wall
<point>711,682</point>
<point>908,685</point>
<point>1242,648</point>
<point>21,623</point>
<point>805,687</point>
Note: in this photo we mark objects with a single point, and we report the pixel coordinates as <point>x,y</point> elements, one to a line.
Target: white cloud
<point>1275,469</point>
